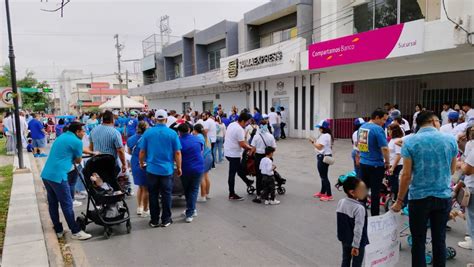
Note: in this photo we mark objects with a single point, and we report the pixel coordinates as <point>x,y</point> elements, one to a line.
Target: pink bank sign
<point>393,41</point>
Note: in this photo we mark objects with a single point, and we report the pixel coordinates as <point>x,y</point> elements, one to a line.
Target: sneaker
<point>208,197</point>
<point>153,225</point>
<point>465,244</point>
<point>42,155</point>
<point>257,200</point>
<point>34,155</point>
<point>79,196</point>
<point>81,235</point>
<point>201,199</point>
<point>319,195</point>
<point>195,213</point>
<point>166,224</point>
<point>267,202</point>
<point>188,219</point>
<point>467,238</point>
<point>327,198</point>
<point>76,203</point>
<point>145,213</point>
<point>60,234</point>
<point>274,202</point>
<point>235,197</point>
<point>139,211</point>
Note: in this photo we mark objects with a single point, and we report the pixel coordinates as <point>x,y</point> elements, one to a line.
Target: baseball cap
<point>161,114</point>
<point>133,113</point>
<point>359,121</point>
<point>322,124</point>
<point>395,114</point>
<point>115,112</point>
<point>453,115</point>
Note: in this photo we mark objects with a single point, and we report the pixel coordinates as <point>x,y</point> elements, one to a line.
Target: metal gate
<point>359,98</point>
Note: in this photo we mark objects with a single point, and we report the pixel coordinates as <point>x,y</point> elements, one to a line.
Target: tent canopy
<point>127,103</point>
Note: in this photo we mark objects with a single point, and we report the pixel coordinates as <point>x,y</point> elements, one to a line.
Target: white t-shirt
<point>448,129</point>
<point>258,143</point>
<point>460,129</point>
<point>414,119</point>
<point>444,116</point>
<point>355,139</point>
<point>469,179</point>
<point>221,130</point>
<point>266,166</point>
<point>394,151</point>
<point>235,134</point>
<point>405,126</point>
<point>283,116</point>
<point>171,120</point>
<point>326,141</point>
<point>469,114</point>
<point>273,118</point>
<point>248,131</point>
<point>210,126</point>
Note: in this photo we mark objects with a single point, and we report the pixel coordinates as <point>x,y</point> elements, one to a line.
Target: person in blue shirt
<point>38,135</point>
<point>199,132</point>
<point>59,127</point>
<point>66,150</point>
<point>120,123</point>
<point>374,156</point>
<point>139,175</point>
<point>132,124</point>
<point>257,116</point>
<point>234,116</point>
<point>159,151</point>
<point>193,168</point>
<point>429,160</point>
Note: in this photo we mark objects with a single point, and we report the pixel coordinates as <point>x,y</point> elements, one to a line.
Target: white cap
<point>115,112</point>
<point>161,114</point>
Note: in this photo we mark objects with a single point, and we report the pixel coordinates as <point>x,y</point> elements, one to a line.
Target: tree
<point>31,101</point>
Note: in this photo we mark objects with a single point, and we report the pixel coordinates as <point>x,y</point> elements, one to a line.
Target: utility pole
<point>11,56</point>
<point>165,30</point>
<point>119,48</point>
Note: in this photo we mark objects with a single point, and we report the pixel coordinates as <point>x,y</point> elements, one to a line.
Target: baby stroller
<point>248,168</point>
<point>279,182</point>
<point>108,208</point>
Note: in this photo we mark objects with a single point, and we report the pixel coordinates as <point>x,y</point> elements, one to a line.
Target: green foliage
<point>29,81</point>
<point>6,174</point>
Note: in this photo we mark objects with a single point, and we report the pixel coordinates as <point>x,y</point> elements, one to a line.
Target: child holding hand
<point>352,222</point>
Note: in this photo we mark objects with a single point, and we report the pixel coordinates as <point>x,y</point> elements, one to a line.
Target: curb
<point>24,238</point>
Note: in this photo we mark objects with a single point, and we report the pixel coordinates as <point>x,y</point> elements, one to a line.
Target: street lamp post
<point>11,56</point>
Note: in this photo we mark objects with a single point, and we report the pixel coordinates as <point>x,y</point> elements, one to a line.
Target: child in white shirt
<point>268,179</point>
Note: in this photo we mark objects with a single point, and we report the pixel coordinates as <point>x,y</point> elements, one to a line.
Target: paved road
<point>300,231</point>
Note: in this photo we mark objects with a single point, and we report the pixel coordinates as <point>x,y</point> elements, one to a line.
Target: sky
<point>83,39</point>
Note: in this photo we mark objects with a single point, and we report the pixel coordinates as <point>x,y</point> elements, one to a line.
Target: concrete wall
<point>173,49</point>
<point>232,38</point>
<point>304,20</point>
<point>202,59</point>
<point>282,23</point>
<point>269,9</point>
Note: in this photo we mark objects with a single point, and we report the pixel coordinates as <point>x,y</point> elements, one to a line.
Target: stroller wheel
<point>250,190</point>
<point>429,258</point>
<point>129,227</point>
<point>81,221</point>
<point>450,253</point>
<point>107,232</point>
<point>281,190</point>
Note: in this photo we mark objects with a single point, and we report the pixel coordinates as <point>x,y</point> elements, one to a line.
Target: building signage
<point>273,60</point>
<point>393,41</point>
<point>7,97</point>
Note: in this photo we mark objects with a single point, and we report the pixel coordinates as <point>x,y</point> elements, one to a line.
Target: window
<point>214,58</point>
<point>303,108</point>
<point>266,101</point>
<point>382,13</point>
<point>186,106</point>
<point>266,40</point>
<point>96,99</point>
<point>277,37</point>
<point>207,106</point>
<point>311,107</point>
<point>254,97</point>
<point>296,108</point>
<point>178,70</point>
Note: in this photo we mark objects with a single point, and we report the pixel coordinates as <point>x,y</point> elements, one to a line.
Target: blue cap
<point>359,121</point>
<point>453,115</point>
<point>322,124</point>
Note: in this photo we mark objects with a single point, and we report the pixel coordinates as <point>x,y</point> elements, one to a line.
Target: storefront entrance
<point>359,98</point>
<point>283,102</point>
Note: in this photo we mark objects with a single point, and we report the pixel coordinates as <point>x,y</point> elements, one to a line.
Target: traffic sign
<point>38,104</point>
<point>7,96</point>
<point>36,90</point>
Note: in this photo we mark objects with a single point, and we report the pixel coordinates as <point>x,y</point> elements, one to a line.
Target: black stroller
<point>109,207</point>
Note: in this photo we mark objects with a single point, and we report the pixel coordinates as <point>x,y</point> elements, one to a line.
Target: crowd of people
<point>416,162</point>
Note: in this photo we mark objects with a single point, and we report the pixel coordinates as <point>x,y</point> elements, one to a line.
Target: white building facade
<point>336,60</point>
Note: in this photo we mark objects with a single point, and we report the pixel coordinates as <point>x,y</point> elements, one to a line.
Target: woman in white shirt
<point>395,132</point>
<point>355,149</point>
<point>449,128</point>
<point>323,147</point>
<point>220,129</point>
<point>418,109</point>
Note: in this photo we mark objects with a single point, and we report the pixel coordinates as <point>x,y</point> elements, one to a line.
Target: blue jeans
<point>220,148</point>
<point>72,178</point>
<point>60,193</point>
<point>191,188</point>
<point>323,170</point>
<point>160,185</point>
<point>356,168</point>
<point>434,211</point>
<point>347,257</point>
<point>276,131</point>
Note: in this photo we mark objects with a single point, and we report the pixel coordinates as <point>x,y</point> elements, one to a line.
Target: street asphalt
<point>300,231</point>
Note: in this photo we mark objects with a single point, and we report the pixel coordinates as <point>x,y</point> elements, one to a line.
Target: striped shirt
<point>106,139</point>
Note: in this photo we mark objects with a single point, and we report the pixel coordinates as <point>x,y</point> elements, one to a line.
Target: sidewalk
<point>24,239</point>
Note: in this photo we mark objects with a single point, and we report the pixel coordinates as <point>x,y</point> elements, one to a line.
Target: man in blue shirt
<point>66,150</point>
<point>429,160</point>
<point>374,156</point>
<point>257,116</point>
<point>193,168</point>
<point>38,135</point>
<point>132,124</point>
<point>160,149</point>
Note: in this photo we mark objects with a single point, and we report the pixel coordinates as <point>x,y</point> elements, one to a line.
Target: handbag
<point>329,160</point>
<point>463,196</point>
